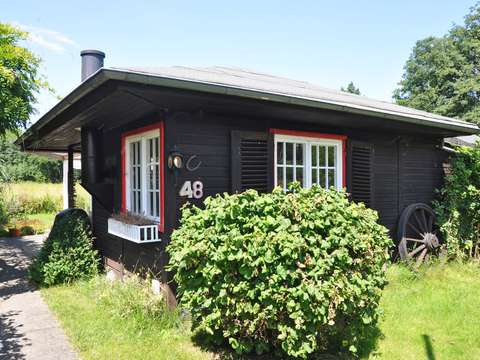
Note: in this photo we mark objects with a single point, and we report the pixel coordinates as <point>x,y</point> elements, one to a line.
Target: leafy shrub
<point>133,298</point>
<point>3,206</point>
<point>16,165</point>
<point>27,230</point>
<point>46,203</point>
<point>67,254</point>
<point>291,273</point>
<point>458,209</point>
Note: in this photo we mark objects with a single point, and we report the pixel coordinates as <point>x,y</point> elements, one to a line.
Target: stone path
<point>28,330</point>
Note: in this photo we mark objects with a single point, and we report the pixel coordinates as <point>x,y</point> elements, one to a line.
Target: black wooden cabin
<point>153,138</point>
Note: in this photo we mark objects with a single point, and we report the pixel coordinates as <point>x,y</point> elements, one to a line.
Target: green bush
<point>3,206</point>
<point>16,165</point>
<point>67,254</point>
<point>46,203</point>
<point>27,230</point>
<point>458,207</point>
<point>289,274</point>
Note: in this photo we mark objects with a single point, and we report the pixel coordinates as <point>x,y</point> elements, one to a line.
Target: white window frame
<point>307,160</point>
<point>143,138</point>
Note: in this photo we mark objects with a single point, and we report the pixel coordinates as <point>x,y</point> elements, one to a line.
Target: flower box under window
<point>139,234</point>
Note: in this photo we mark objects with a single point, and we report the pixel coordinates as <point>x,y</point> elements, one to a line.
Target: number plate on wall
<point>192,190</point>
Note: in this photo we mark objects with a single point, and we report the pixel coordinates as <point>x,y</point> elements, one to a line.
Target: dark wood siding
<point>405,169</point>
<point>421,170</point>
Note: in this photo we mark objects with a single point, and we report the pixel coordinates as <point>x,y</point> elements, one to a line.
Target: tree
<point>16,165</point>
<point>19,80</point>
<point>442,75</point>
<point>351,89</point>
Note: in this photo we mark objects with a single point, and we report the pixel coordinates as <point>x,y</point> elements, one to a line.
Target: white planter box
<point>139,234</point>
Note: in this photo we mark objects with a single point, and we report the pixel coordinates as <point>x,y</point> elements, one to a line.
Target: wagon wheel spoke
<point>415,240</point>
<point>414,228</point>
<point>424,220</point>
<point>417,250</point>
<point>430,223</point>
<point>420,223</point>
<point>421,257</point>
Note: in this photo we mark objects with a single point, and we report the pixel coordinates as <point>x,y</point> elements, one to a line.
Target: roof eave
<point>184,84</point>
<point>105,74</point>
<point>87,86</point>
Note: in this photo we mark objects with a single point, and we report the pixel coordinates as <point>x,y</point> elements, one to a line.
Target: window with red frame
<point>142,183</point>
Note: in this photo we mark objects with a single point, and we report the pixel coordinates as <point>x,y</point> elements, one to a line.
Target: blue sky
<point>329,43</point>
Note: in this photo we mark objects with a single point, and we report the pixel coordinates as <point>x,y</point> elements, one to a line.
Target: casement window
<point>142,159</point>
<point>309,158</point>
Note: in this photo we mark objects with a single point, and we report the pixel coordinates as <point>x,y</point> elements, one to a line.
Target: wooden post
<point>70,179</point>
<point>65,184</point>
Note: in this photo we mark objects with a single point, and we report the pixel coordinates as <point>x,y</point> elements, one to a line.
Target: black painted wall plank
<point>405,168</point>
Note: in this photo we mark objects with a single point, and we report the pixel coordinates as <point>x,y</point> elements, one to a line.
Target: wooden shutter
<point>251,161</point>
<point>361,172</point>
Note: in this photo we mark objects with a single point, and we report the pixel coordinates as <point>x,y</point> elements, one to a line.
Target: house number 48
<point>192,190</point>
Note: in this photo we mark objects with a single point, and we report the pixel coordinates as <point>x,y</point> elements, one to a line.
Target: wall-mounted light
<point>175,160</point>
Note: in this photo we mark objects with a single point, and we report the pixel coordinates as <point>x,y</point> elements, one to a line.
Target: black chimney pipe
<point>92,60</point>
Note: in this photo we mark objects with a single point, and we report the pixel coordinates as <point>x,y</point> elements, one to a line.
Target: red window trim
<point>125,135</point>
<point>317,135</point>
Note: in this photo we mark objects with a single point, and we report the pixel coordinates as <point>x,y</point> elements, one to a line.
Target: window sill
<point>140,234</point>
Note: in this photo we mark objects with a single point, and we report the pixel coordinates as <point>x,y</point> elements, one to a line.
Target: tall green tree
<point>351,88</point>
<point>16,165</point>
<point>20,80</point>
<point>442,74</point>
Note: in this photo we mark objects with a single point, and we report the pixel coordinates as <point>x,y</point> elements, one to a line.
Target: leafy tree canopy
<point>442,75</point>
<point>19,80</point>
<point>351,88</point>
<point>16,165</point>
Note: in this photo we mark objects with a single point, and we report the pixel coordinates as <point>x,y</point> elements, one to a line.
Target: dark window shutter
<point>251,155</point>
<point>361,172</point>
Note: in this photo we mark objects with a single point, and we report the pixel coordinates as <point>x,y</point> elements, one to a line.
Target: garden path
<point>28,330</point>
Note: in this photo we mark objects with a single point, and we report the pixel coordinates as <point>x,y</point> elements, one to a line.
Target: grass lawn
<point>42,202</point>
<point>434,315</point>
<point>31,189</point>
<point>97,334</point>
<point>46,219</point>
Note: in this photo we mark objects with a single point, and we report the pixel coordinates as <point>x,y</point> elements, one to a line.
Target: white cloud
<point>46,38</point>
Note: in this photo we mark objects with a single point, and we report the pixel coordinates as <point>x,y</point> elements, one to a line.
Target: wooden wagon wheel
<point>418,235</point>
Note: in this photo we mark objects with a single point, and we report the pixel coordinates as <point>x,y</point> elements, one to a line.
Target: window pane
<point>331,178</point>
<point>157,149</point>
<point>151,195</point>
<point>314,155</point>
<point>280,152</point>
<point>314,176</point>
<point>289,175</point>
<point>280,177</point>
<point>299,153</point>
<point>150,177</point>
<point>299,175</point>
<point>139,179</point>
<point>322,180</point>
<point>322,155</point>
<point>135,176</point>
<point>150,149</point>
<point>289,153</point>
<point>331,156</point>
